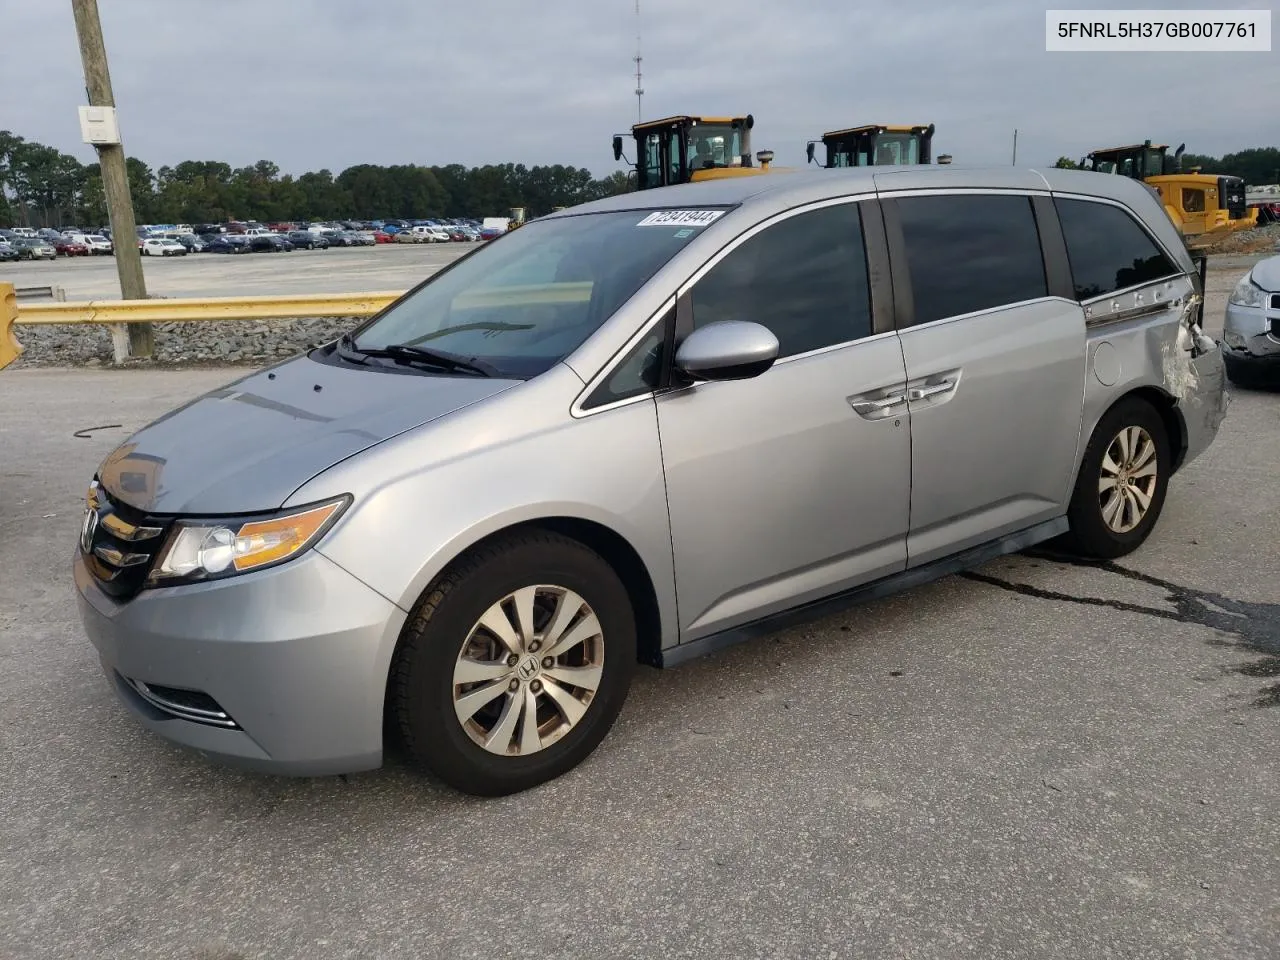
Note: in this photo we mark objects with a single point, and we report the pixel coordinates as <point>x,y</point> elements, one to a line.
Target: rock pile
<point>221,343</point>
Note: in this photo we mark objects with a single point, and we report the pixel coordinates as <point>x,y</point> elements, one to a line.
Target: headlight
<point>1247,293</point>
<point>203,550</point>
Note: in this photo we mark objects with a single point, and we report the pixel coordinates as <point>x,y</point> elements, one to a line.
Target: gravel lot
<point>1038,759</point>
<point>386,267</point>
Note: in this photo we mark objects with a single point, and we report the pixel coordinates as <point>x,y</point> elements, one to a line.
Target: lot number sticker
<point>680,218</point>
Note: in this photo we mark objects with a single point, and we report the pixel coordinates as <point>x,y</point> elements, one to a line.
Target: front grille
<point>193,705</point>
<point>1275,327</point>
<point>119,543</point>
<point>1275,301</point>
<point>1231,195</point>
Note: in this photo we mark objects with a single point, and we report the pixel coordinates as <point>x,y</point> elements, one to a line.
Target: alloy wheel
<point>528,670</point>
<point>1127,482</point>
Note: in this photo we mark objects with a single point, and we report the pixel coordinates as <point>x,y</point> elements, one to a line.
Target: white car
<point>1251,331</point>
<point>96,243</point>
<point>163,247</point>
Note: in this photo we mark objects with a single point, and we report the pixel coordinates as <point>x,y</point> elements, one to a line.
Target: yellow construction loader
<point>1203,206</point>
<point>686,149</point>
<point>876,144</point>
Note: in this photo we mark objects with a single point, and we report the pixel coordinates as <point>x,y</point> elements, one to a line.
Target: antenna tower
<point>638,58</point>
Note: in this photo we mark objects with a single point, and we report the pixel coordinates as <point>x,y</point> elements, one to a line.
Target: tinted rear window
<point>1107,248</point>
<point>971,253</point>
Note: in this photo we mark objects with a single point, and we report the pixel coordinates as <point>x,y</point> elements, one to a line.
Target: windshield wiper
<point>407,353</point>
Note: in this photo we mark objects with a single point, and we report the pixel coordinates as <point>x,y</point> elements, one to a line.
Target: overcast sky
<point>331,83</point>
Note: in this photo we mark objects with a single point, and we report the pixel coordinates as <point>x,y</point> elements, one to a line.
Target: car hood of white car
<point>1266,274</point>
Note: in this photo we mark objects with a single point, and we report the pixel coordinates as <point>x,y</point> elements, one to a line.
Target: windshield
<point>527,300</point>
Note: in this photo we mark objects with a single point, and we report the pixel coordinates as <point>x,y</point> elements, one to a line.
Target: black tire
<point>1090,536</point>
<point>420,687</point>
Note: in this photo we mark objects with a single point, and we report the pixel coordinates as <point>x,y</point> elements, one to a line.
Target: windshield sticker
<point>681,234</point>
<point>680,218</point>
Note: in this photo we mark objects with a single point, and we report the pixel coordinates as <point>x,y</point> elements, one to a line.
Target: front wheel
<point>514,665</point>
<point>1122,483</point>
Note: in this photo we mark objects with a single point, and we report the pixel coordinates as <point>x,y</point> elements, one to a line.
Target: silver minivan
<point>639,430</point>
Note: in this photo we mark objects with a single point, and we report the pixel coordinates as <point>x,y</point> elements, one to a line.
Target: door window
<point>652,166</point>
<point>1107,248</point>
<point>970,253</point>
<point>805,278</point>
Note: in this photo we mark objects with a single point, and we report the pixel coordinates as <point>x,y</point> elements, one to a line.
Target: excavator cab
<point>1201,205</point>
<point>685,149</point>
<point>875,145</point>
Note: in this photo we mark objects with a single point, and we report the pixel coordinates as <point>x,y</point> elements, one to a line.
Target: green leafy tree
<point>1066,163</point>
<point>142,190</point>
<point>46,182</point>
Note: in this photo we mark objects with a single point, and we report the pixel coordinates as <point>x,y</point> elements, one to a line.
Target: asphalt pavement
<point>1036,759</point>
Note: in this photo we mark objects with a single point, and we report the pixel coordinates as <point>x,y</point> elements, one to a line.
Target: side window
<point>639,373</point>
<point>805,278</point>
<point>971,252</point>
<point>1107,249</point>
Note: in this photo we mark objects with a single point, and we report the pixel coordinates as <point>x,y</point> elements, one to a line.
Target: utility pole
<point>115,178</point>
<point>1015,146</point>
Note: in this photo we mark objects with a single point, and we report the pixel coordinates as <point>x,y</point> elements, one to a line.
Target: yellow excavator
<point>877,144</point>
<point>687,149</point>
<point>1203,207</point>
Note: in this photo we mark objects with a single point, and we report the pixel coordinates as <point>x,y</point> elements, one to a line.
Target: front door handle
<point>933,390</point>
<point>869,408</point>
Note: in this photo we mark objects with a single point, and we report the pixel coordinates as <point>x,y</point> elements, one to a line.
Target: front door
<point>995,371</point>
<point>794,484</point>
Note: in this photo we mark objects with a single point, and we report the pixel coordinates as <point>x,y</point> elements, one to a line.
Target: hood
<point>247,446</point>
<point>1266,274</point>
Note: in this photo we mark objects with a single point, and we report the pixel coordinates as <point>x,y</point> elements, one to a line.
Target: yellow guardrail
<point>10,348</point>
<point>186,309</point>
<point>179,310</point>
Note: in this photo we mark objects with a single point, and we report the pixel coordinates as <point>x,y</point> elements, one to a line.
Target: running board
<point>885,586</point>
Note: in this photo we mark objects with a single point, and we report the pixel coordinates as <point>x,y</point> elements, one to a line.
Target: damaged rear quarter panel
<point>1156,352</point>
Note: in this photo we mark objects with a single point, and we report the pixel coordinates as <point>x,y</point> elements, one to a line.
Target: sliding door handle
<point>933,390</point>
<point>868,408</point>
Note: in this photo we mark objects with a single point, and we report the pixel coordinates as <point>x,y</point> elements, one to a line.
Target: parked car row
<point>27,244</point>
<point>170,240</point>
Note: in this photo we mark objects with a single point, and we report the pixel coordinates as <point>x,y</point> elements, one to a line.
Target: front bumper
<point>295,656</point>
<point>1251,336</point>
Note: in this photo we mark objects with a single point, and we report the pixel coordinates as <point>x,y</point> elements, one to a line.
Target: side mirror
<point>808,151</point>
<point>729,350</point>
<point>617,148</point>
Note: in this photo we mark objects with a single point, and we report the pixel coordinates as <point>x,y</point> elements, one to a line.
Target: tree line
<point>1254,166</point>
<point>41,186</point>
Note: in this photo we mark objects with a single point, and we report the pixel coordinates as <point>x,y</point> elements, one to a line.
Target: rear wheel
<point>514,665</point>
<point>1123,479</point>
